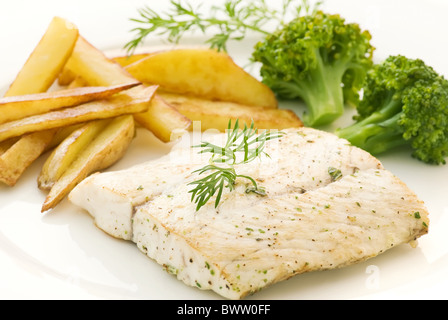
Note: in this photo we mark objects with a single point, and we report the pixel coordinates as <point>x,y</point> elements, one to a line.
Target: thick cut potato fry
<point>64,154</point>
<point>15,160</point>
<point>109,146</point>
<point>94,68</point>
<point>164,121</point>
<point>204,73</point>
<point>18,107</point>
<point>47,60</point>
<point>62,134</point>
<point>130,101</point>
<point>216,114</point>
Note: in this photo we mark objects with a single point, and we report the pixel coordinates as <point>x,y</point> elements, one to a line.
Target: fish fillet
<point>306,221</point>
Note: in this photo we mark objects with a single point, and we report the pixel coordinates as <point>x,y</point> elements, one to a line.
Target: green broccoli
<point>405,102</point>
<point>318,58</point>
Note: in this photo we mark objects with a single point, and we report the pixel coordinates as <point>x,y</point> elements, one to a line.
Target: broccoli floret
<point>319,58</point>
<point>405,102</point>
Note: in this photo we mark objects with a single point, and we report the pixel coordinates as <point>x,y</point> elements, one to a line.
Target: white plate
<point>62,255</point>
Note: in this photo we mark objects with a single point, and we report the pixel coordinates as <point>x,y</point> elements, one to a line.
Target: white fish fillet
<point>307,221</point>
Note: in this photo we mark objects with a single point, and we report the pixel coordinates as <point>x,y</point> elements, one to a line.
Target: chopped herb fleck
<point>334,173</point>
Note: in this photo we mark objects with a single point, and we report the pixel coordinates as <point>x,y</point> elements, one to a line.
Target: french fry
<point>37,74</point>
<point>18,107</point>
<point>127,102</point>
<point>22,154</point>
<point>102,152</point>
<point>95,68</point>
<point>47,60</point>
<point>164,121</point>
<point>216,114</point>
<point>204,73</point>
<point>61,135</point>
<point>66,152</point>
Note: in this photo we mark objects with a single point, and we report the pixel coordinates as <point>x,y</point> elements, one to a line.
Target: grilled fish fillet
<point>307,221</point>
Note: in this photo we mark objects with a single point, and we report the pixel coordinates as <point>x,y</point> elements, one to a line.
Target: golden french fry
<point>15,160</point>
<point>67,151</point>
<point>47,60</point>
<point>18,107</point>
<point>102,152</point>
<point>95,68</point>
<point>164,121</point>
<point>127,102</point>
<point>204,73</point>
<point>216,114</point>
<point>62,134</point>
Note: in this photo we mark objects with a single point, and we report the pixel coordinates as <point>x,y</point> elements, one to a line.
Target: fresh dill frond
<point>232,21</point>
<point>247,142</point>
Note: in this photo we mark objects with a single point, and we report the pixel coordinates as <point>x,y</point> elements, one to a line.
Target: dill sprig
<point>232,21</point>
<point>246,142</point>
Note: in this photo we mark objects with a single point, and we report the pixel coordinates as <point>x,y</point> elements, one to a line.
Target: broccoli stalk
<point>322,92</point>
<point>405,102</point>
<point>378,132</point>
<point>318,58</point>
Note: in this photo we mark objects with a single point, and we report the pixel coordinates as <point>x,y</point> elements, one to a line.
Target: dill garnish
<point>221,168</point>
<point>231,21</point>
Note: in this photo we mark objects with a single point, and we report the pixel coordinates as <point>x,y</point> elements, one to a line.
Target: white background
<point>62,255</point>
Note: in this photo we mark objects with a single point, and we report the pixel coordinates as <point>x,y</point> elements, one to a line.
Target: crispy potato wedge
<point>127,102</point>
<point>216,114</point>
<point>204,73</point>
<point>18,107</point>
<point>64,154</point>
<point>164,121</point>
<point>94,68</point>
<point>109,146</point>
<point>47,60</point>
<point>18,157</point>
